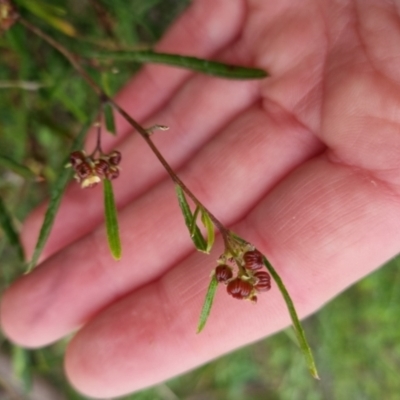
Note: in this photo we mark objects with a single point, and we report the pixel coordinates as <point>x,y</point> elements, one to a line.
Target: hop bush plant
<point>241,267</point>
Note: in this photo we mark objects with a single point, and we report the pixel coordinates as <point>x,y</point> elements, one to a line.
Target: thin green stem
<point>72,58</point>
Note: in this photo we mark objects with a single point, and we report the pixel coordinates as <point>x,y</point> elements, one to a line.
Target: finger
<point>73,285</point>
<point>204,28</point>
<point>196,113</point>
<point>322,228</point>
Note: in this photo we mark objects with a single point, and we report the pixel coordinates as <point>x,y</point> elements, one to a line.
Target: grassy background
<point>355,338</point>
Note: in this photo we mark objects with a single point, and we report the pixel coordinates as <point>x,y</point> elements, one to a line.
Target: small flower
<point>247,280</point>
<point>112,173</point>
<point>83,170</point>
<point>89,171</point>
<point>253,260</point>
<point>76,157</point>
<point>114,157</point>
<point>101,167</point>
<point>86,174</point>
<point>263,281</point>
<point>223,273</point>
<point>239,289</point>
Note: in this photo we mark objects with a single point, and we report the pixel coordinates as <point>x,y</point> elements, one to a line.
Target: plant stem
<point>72,58</point>
<point>74,61</point>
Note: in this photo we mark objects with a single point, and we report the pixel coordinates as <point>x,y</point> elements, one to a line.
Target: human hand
<point>304,165</point>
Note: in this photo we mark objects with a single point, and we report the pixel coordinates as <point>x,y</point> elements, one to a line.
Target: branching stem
<point>74,61</point>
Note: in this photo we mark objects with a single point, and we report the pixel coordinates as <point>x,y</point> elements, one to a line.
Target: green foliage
<point>109,118</point>
<point>204,66</point>
<point>208,224</point>
<point>9,163</point>
<point>50,14</point>
<point>110,211</point>
<point>190,221</point>
<point>7,225</point>
<point>298,329</point>
<point>22,367</point>
<point>205,312</point>
<point>54,203</point>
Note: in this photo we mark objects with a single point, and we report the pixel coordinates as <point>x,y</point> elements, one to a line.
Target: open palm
<point>304,164</point>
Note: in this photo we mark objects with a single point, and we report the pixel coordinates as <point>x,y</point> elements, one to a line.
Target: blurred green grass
<point>355,337</point>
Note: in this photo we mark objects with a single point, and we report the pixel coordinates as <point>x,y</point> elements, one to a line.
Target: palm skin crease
<point>303,164</point>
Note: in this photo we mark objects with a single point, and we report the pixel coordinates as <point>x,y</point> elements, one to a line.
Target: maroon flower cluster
<point>250,279</point>
<point>90,171</point>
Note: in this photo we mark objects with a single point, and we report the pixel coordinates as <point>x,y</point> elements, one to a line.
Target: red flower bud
<point>253,260</point>
<point>114,157</point>
<point>239,289</point>
<point>76,157</point>
<point>223,273</point>
<point>83,170</point>
<point>112,173</point>
<point>263,282</point>
<point>101,167</point>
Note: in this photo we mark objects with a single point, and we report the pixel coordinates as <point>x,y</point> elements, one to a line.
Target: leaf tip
<point>314,374</point>
<point>205,312</point>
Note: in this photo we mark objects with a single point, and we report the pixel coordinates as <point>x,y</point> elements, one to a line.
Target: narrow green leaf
<point>208,224</point>
<point>50,14</point>
<point>8,227</point>
<point>197,237</point>
<point>19,169</point>
<point>194,222</point>
<point>60,24</point>
<point>111,218</point>
<point>298,329</point>
<point>55,199</point>
<point>105,83</point>
<point>193,63</point>
<point>48,7</point>
<point>205,312</point>
<point>109,118</point>
<point>21,360</point>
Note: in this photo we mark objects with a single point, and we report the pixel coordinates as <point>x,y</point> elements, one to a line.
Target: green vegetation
<point>44,104</point>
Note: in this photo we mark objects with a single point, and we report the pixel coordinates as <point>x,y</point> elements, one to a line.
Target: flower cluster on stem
<point>245,282</point>
<point>89,171</point>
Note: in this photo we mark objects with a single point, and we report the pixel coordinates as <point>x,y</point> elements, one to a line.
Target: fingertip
<point>97,362</point>
<point>12,325</point>
<point>75,368</point>
<point>107,357</point>
<point>26,305</point>
<point>86,376</point>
